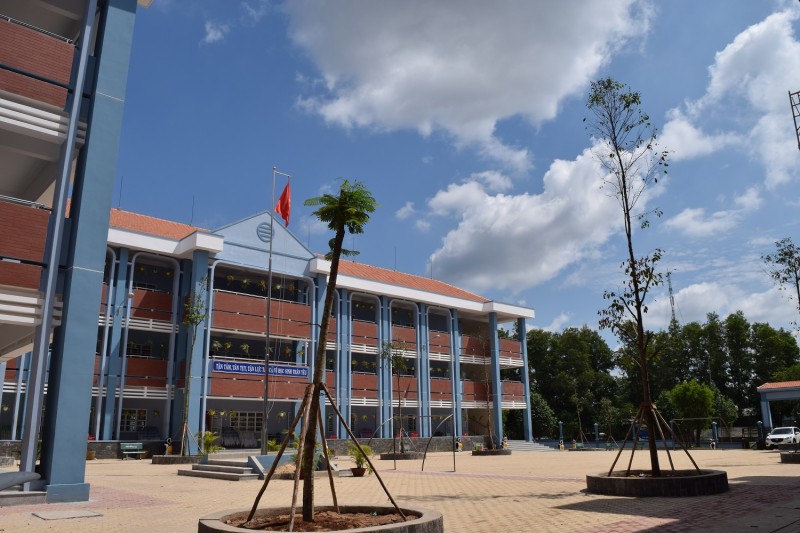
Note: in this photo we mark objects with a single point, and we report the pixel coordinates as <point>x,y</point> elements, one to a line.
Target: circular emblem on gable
<point>264,232</point>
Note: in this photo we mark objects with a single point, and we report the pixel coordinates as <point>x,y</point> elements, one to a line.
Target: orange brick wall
<point>38,54</point>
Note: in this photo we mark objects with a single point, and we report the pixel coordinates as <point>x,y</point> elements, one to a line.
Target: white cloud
<point>558,322</point>
<point>406,211</point>
<point>255,11</point>
<point>493,180</point>
<point>685,141</point>
<point>751,200</point>
<point>537,236</point>
<point>748,86</point>
<point>214,32</point>
<point>457,67</point>
<point>694,302</point>
<point>694,222</point>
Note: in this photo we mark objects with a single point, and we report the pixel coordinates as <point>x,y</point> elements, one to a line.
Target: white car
<point>786,435</point>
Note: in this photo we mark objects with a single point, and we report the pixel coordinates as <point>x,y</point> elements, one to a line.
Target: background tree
<point>740,359</point>
<point>347,211</point>
<point>543,418</point>
<point>694,403</point>
<point>774,350</point>
<point>725,411</point>
<point>626,149</point>
<point>784,268</point>
<point>575,364</point>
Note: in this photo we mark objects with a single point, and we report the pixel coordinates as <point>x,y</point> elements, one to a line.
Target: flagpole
<point>265,412</point>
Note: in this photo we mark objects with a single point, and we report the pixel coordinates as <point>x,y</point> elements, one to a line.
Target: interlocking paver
<point>527,491</point>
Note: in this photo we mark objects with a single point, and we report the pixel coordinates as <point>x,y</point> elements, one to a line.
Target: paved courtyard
<point>527,491</point>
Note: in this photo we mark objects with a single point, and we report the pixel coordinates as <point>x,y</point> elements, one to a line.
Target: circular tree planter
<point>790,457</point>
<point>404,456</point>
<point>420,520</point>
<point>177,459</point>
<point>672,483</point>
<point>491,452</point>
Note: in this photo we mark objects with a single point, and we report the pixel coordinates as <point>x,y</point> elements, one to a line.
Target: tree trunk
<point>309,445</point>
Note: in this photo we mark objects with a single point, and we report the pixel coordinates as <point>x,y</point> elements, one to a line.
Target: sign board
<point>238,367</point>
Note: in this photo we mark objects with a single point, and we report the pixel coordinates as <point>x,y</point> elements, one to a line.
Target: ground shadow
<point>747,495</point>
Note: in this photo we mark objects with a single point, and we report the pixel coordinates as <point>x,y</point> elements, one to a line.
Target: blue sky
<point>465,121</point>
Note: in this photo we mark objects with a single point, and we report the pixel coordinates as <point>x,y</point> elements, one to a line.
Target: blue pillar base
<point>74,492</point>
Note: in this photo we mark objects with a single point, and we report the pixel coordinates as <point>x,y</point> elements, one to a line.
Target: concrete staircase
<point>227,469</point>
<point>525,446</point>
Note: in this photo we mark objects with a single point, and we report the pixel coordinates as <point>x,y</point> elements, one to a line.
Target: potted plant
<point>362,466</point>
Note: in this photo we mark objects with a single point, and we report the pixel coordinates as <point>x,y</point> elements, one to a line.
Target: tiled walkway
<point>527,491</point>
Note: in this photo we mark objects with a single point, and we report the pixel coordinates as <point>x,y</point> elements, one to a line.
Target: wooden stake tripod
<point>303,412</point>
<point>649,411</point>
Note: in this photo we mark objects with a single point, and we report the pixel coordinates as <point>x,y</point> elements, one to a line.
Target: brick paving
<point>527,491</point>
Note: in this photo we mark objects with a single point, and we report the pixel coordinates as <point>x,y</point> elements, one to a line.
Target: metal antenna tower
<point>671,296</point>
<point>794,102</point>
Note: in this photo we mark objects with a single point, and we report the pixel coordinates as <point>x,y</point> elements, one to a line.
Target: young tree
<point>393,353</point>
<point>784,267</point>
<point>626,149</point>
<point>347,211</point>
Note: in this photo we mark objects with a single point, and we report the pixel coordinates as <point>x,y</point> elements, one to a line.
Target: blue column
<point>319,290</point>
<point>181,349</point>
<point>497,385</point>
<point>457,382</point>
<point>384,368</point>
<point>72,367</point>
<point>526,381</point>
<point>344,386</point>
<point>115,344</point>
<point>23,372</point>
<point>766,415</point>
<point>423,372</point>
<point>196,348</point>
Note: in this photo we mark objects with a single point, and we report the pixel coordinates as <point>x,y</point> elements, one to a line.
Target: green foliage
<point>543,418</point>
<point>359,457</point>
<point>791,373</point>
<point>732,355</point>
<point>666,406</point>
<point>349,210</point>
<point>694,403</point>
<point>208,442</point>
<point>393,353</point>
<point>571,369</point>
<point>725,410</point>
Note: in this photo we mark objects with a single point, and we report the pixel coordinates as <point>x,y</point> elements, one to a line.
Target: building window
<point>133,419</point>
<point>246,421</point>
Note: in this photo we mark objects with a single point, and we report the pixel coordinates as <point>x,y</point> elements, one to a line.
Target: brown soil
<point>323,521</point>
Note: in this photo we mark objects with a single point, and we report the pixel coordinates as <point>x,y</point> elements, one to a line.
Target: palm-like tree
<point>345,212</point>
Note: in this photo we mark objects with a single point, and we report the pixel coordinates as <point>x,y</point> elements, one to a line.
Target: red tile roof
<point>779,385</point>
<point>175,230</point>
<point>150,225</point>
<point>411,281</point>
